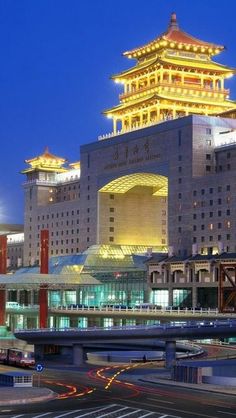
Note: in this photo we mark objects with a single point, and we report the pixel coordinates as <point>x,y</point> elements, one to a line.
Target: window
<point>179,229</point>
<point>219,237</point>
<point>210,238</point>
<point>195,193</point>
<point>202,227</point>
<point>208,142</point>
<point>180,158</point>
<point>228,187</point>
<point>211,226</point>
<point>194,227</point>
<point>211,190</point>
<point>180,169</point>
<point>219,189</point>
<point>112,196</point>
<point>111,219</point>
<point>211,214</point>
<point>208,168</point>
<point>219,212</point>
<point>180,180</point>
<point>202,215</point>
<point>219,201</point>
<point>179,138</point>
<point>228,224</point>
<point>208,156</point>
<point>228,236</point>
<point>112,209</point>
<point>211,202</point>
<point>203,191</point>
<point>111,229</point>
<point>228,155</point>
<point>179,218</point>
<point>208,131</point>
<point>179,195</point>
<point>202,239</point>
<point>111,239</point>
<point>219,225</point>
<point>228,212</point>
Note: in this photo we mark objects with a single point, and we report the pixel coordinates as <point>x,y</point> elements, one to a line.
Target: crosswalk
<point>108,411</point>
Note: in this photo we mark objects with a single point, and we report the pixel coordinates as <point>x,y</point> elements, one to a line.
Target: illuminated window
<point>210,226</point>
<point>228,224</point>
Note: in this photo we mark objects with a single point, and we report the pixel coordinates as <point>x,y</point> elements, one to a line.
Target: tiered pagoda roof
<point>46,162</point>
<point>174,76</point>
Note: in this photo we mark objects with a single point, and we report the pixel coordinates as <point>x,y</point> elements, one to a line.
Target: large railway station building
<point>162,182</point>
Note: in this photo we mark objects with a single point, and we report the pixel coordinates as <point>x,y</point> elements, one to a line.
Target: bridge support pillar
<point>43,307</point>
<point>170,353</point>
<point>39,352</point>
<point>78,355</point>
<point>194,296</point>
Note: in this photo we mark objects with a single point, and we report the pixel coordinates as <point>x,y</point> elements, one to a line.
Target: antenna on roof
<point>173,25</point>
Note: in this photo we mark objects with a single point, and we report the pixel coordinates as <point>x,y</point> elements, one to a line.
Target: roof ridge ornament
<point>173,25</point>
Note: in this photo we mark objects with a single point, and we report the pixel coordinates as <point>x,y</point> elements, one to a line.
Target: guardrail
<point>137,309</point>
<point>187,325</point>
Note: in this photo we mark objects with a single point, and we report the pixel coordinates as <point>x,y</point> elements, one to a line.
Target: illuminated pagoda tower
<point>174,76</point>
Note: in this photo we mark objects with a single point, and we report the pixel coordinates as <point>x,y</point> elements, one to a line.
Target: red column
<point>43,290</point>
<point>3,254</point>
<point>3,306</point>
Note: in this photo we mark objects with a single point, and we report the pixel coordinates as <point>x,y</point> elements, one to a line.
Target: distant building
<point>15,244</point>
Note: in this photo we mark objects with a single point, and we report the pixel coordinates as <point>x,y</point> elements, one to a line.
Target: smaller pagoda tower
<point>174,76</point>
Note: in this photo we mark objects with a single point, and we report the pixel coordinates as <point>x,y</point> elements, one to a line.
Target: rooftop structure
<point>174,76</point>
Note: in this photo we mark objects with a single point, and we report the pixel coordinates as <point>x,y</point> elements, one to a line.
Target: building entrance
<point>133,210</point>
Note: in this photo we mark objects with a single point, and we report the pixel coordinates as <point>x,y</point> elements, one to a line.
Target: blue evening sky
<point>56,59</point>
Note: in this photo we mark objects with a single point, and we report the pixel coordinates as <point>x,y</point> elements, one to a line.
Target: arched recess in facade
<point>132,210</point>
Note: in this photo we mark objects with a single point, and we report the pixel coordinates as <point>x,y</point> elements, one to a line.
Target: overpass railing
<point>184,325</point>
<point>170,310</point>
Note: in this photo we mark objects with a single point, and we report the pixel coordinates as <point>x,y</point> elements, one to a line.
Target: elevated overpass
<point>76,337</point>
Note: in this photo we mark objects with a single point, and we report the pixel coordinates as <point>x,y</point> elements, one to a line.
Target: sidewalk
<point>163,380</point>
<point>20,396</point>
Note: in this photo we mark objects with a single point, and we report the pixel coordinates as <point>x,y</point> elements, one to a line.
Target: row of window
<point>57,215</point>
<point>211,214</point>
<point>211,226</point>
<point>211,238</point>
<point>203,203</point>
<point>211,190</point>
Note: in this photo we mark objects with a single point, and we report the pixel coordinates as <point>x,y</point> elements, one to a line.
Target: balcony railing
<point>186,86</point>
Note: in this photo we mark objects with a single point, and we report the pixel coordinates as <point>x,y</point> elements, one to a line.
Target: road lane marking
<point>146,415</point>
<point>159,400</point>
<point>177,410</point>
<point>42,415</point>
<point>97,410</point>
<point>67,413</point>
<point>107,414</point>
<point>16,416</point>
<point>129,413</point>
<point>228,413</point>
